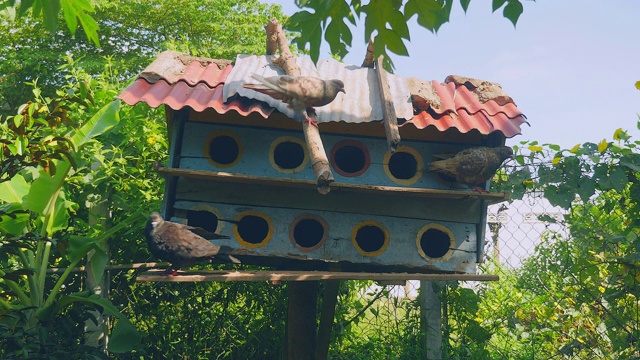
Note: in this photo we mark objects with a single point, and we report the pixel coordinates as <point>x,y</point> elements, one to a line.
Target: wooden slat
<point>390,117</point>
<point>263,180</point>
<point>275,275</point>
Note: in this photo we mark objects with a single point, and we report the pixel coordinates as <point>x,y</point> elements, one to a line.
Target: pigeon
<point>299,92</point>
<point>181,245</point>
<point>473,166</point>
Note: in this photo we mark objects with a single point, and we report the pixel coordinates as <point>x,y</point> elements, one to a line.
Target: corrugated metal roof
<point>179,80</point>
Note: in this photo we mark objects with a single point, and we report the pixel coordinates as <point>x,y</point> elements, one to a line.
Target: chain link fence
<point>546,305</point>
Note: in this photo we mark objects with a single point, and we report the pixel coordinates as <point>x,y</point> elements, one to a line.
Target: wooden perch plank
<point>277,275</point>
<point>287,182</point>
<point>390,117</point>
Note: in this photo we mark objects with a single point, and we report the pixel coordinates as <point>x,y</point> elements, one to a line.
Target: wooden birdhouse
<point>355,192</point>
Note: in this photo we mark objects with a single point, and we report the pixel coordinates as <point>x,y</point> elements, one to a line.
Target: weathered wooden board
<point>375,203</point>
<point>276,275</point>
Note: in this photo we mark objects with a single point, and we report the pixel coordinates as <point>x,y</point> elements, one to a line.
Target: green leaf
<point>431,13</point>
<point>124,337</point>
<point>13,218</point>
<point>44,190</point>
<point>512,11</point>
<point>618,178</point>
<point>105,119</point>
<point>74,10</point>
<point>70,15</point>
<point>14,190</point>
<point>586,188</point>
<point>379,13</point>
<point>50,10</point>
<point>632,161</point>
<point>337,33</point>
<point>560,195</point>
<point>465,5</point>
<point>497,4</point>
<point>97,262</point>
<point>309,27</point>
<point>80,246</point>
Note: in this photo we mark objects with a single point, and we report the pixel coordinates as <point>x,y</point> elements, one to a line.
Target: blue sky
<point>569,65</point>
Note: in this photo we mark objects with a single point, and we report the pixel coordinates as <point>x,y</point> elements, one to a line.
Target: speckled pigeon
<point>181,245</point>
<point>299,92</point>
<point>473,166</point>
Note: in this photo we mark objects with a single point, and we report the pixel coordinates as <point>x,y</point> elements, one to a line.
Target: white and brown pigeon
<point>181,245</point>
<point>300,93</point>
<point>473,166</point>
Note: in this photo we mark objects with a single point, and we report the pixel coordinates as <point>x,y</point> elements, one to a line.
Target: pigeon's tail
<point>223,254</point>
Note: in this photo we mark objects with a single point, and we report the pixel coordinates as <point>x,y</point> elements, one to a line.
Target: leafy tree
<point>387,19</point>
<point>129,42</point>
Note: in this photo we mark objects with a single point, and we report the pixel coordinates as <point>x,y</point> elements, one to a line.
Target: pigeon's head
<point>155,219</point>
<point>505,152</point>
<point>338,85</point>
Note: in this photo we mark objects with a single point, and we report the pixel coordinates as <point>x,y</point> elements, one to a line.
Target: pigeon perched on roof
<point>473,166</point>
<point>181,245</point>
<point>299,92</point>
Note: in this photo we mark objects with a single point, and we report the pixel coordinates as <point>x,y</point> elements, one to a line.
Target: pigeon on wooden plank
<point>181,245</point>
<point>473,166</point>
<point>299,92</point>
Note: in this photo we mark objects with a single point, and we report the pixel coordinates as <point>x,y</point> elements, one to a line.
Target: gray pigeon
<point>473,166</point>
<point>181,245</point>
<point>299,92</point>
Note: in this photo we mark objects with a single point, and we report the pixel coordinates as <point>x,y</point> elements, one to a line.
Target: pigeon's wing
<point>478,165</point>
<point>205,233</point>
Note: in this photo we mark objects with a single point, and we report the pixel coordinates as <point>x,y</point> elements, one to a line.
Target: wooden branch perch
<point>317,154</point>
<point>390,117</point>
<point>368,58</point>
<point>272,36</point>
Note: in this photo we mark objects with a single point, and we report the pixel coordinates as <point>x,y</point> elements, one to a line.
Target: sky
<point>569,65</point>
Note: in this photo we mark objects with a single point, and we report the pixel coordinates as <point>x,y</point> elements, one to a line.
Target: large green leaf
<point>103,120</point>
<point>13,218</point>
<point>14,190</point>
<point>44,190</point>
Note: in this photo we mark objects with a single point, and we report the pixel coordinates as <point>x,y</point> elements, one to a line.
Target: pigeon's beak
<point>342,91</point>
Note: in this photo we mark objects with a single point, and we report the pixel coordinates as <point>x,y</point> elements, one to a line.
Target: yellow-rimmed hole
<point>370,238</point>
<point>308,232</point>
<point>403,166</point>
<point>288,154</point>
<point>435,242</point>
<point>253,229</point>
<point>223,149</point>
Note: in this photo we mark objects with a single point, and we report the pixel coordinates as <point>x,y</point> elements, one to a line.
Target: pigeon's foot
<point>482,191</point>
<point>311,122</point>
<point>170,272</point>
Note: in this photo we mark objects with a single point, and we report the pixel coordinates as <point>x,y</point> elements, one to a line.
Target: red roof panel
<point>178,80</point>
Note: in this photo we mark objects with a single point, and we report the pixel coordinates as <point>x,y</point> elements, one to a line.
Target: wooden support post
<point>368,58</point>
<point>317,154</point>
<point>301,320</point>
<point>95,333</point>
<point>390,117</point>
<point>431,321</point>
<point>329,301</point>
